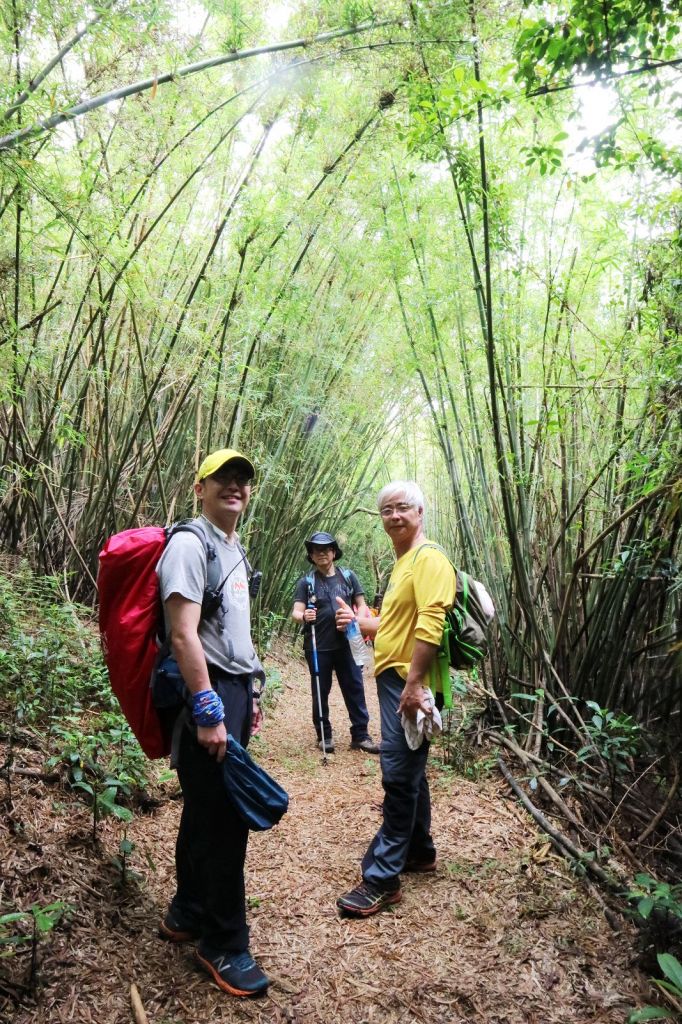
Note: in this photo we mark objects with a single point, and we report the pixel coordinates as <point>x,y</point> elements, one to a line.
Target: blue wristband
<point>207,708</point>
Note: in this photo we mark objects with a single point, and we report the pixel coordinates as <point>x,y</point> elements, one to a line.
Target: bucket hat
<point>322,539</point>
<point>257,798</point>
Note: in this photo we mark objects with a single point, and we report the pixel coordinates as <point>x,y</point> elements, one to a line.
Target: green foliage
<point>265,626</point>
<point>454,747</point>
<point>53,678</point>
<point>349,12</point>
<point>50,657</point>
<point>125,849</point>
<point>580,38</point>
<point>40,918</point>
<point>615,737</point>
<point>303,259</point>
<point>651,1013</point>
<point>584,38</point>
<point>672,969</point>
<point>106,764</point>
<point>651,895</point>
<point>457,98</point>
<point>547,156</point>
<point>274,688</point>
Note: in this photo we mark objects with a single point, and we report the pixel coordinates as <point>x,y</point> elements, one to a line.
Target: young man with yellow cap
<point>214,657</point>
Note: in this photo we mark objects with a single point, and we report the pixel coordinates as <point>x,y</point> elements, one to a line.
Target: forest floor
<point>503,933</point>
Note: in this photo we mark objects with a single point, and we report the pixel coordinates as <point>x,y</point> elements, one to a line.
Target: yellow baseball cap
<point>215,460</point>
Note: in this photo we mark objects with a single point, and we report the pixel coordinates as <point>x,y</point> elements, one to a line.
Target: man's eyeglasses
<point>321,550</point>
<point>388,510</point>
<point>227,476</point>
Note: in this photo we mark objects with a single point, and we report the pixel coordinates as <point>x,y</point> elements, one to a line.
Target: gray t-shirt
<point>225,636</point>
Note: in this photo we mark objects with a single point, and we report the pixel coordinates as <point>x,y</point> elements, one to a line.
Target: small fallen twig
<point>138,1008</point>
<point>21,738</point>
<point>88,888</point>
<point>31,773</point>
<point>663,808</point>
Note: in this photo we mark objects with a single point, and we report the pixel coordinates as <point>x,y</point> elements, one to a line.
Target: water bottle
<point>358,647</point>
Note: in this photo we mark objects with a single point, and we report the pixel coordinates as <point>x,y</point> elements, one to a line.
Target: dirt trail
<point>502,934</point>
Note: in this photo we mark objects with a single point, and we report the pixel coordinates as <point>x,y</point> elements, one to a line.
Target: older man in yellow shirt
<point>420,591</point>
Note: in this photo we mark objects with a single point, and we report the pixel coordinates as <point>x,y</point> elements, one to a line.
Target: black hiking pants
<point>352,689</point>
<point>211,844</point>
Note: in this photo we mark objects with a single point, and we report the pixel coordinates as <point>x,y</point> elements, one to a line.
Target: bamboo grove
<point>391,245</point>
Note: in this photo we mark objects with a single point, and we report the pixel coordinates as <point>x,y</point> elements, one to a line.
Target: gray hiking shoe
<point>367,745</point>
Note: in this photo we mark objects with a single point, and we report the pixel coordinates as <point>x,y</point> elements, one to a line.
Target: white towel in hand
<point>425,726</point>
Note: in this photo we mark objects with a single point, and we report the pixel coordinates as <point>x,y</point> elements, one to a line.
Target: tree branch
<point>15,138</point>
<point>559,840</point>
<point>545,90</point>
<point>42,75</point>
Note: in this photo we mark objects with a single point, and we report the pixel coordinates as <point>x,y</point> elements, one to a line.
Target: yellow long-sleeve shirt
<point>420,591</point>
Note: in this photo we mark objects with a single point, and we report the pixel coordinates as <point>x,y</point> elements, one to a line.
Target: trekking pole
<point>316,672</point>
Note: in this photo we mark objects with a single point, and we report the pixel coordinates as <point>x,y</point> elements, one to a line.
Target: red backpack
<point>131,620</point>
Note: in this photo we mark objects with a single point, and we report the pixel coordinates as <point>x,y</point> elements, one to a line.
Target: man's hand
<point>412,700</point>
<point>368,623</point>
<point>214,739</point>
<point>309,614</point>
<point>256,718</point>
<point>344,614</point>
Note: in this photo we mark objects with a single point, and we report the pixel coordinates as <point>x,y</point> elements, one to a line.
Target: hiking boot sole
<point>176,935</point>
<point>225,985</point>
<point>388,901</point>
<point>420,867</point>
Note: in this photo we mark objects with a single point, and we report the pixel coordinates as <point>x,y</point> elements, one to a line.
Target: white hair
<point>408,490</point>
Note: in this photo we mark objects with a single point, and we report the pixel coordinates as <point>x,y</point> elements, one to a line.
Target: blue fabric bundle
<point>258,799</point>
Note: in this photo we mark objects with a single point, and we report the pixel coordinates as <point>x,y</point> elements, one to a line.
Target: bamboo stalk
<point>53,62</point>
<point>147,84</point>
<point>562,843</point>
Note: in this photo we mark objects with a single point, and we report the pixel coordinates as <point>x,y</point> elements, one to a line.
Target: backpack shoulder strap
<point>348,580</point>
<point>347,575</point>
<point>458,573</point>
<point>196,527</point>
<point>247,564</point>
<point>463,588</point>
<point>436,547</point>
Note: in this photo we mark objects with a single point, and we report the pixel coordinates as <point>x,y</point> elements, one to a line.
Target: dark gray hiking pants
<point>406,830</point>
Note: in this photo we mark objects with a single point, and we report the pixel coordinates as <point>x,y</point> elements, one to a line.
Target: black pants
<point>349,676</point>
<point>211,844</point>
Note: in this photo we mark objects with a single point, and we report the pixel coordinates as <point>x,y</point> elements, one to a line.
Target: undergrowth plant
<point>106,763</point>
<point>615,736</point>
<point>54,683</point>
<point>21,927</point>
<point>49,651</point>
<point>652,896</point>
<point>672,985</point>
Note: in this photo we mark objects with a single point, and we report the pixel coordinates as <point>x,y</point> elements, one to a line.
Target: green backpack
<point>465,631</point>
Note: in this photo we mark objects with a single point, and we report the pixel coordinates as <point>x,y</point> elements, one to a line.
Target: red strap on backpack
<point>129,608</point>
